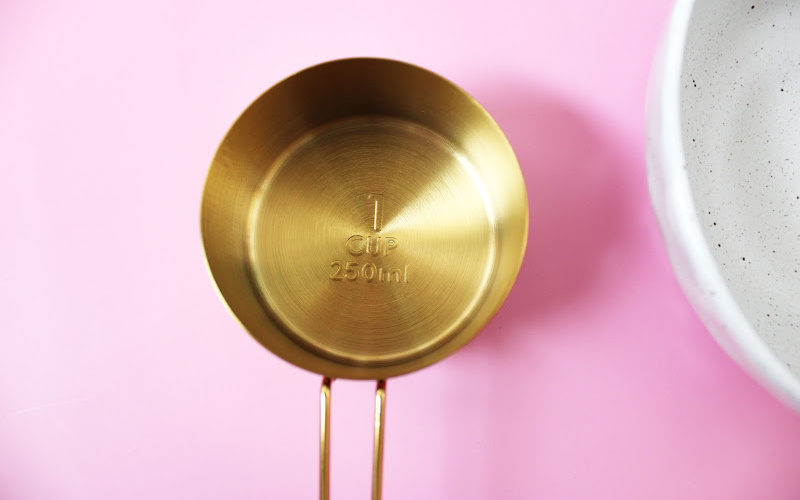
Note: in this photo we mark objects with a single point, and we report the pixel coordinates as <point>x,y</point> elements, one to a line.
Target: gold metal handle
<point>325,439</point>
<point>377,452</point>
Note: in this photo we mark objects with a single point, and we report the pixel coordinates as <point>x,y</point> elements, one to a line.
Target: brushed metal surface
<point>364,218</point>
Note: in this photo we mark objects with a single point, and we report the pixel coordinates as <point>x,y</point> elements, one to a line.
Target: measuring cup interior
<point>364,218</point>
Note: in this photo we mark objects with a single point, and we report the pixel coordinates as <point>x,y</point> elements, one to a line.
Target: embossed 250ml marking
<point>352,271</point>
<point>370,246</point>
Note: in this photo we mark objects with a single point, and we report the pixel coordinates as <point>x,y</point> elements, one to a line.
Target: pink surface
<point>122,376</point>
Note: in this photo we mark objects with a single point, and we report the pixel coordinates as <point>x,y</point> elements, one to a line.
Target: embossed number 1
<point>377,217</point>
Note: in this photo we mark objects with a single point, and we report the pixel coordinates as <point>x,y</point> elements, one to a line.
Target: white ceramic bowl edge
<point>674,206</point>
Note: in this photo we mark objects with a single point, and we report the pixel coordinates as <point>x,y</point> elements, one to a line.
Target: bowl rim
<point>681,229</point>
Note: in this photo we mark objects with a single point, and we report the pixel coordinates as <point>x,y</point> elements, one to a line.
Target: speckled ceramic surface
<point>724,147</point>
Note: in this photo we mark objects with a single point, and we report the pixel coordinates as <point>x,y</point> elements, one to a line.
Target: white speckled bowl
<point>723,156</point>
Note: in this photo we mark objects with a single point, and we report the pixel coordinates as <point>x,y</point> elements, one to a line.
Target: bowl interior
<point>740,112</point>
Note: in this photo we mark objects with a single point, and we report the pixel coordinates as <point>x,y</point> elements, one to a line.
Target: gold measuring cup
<point>363,219</point>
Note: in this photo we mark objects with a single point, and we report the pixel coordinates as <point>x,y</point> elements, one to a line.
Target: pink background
<point>122,376</point>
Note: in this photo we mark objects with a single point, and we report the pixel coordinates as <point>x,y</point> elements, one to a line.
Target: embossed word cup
<point>362,219</point>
